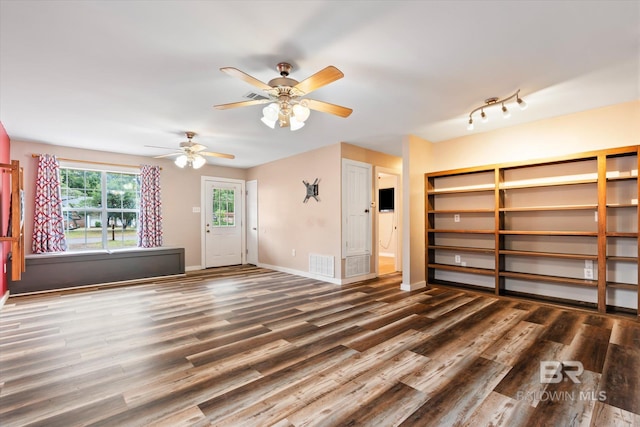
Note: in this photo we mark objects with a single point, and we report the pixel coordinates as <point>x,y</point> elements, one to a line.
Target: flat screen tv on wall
<point>386,200</point>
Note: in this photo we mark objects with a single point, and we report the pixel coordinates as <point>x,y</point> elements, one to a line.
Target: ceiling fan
<point>283,94</point>
<point>191,154</point>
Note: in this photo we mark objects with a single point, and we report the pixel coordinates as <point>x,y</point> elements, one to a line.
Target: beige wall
<point>613,126</point>
<point>285,222</point>
<point>417,155</point>
<point>180,190</point>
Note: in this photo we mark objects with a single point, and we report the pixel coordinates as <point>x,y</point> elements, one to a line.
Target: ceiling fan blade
<point>166,155</point>
<point>242,104</point>
<point>157,146</point>
<point>321,78</point>
<point>212,154</point>
<point>325,107</point>
<point>234,72</point>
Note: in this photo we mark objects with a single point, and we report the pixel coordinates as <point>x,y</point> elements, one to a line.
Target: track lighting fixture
<point>494,101</point>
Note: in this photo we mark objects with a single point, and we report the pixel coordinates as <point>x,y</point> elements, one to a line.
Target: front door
<point>223,223</point>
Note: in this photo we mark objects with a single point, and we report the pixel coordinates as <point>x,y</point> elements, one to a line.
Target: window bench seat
<point>48,272</point>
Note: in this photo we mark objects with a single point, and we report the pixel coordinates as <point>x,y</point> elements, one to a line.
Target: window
<point>223,207</point>
<point>100,208</point>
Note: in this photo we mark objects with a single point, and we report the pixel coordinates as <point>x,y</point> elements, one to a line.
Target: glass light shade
<point>523,105</point>
<point>470,127</point>
<point>271,111</point>
<point>181,161</point>
<point>301,112</point>
<point>294,123</point>
<point>505,113</point>
<point>198,161</point>
<point>270,123</point>
<point>485,119</point>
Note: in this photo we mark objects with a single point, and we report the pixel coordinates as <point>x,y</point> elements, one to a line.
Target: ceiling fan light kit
<point>192,154</point>
<point>284,96</point>
<point>495,101</point>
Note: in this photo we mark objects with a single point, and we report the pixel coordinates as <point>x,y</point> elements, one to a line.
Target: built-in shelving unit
<point>15,233</point>
<point>563,228</point>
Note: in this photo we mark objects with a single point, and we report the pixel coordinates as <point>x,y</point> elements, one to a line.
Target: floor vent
<point>357,265</point>
<point>321,265</point>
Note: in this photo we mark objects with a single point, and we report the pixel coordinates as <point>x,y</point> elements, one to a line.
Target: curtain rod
<point>92,162</point>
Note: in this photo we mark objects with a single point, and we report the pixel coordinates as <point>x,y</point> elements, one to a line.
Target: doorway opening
<point>387,224</point>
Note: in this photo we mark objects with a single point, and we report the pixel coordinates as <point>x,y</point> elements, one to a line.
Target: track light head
<point>505,113</point>
<point>470,127</point>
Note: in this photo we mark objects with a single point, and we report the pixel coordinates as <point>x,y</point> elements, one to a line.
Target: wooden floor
<point>246,346</point>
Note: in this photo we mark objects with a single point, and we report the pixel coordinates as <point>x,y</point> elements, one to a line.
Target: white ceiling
<point>119,75</point>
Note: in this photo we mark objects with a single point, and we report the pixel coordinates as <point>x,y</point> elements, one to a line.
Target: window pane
<point>223,207</point>
<point>83,229</point>
<point>84,208</point>
<point>122,230</point>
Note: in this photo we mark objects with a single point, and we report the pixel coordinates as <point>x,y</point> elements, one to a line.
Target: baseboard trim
<point>301,273</point>
<point>358,278</point>
<point>193,268</point>
<point>413,286</point>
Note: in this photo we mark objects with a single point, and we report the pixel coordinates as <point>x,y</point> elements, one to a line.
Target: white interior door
<point>252,222</point>
<point>223,234</point>
<point>356,208</point>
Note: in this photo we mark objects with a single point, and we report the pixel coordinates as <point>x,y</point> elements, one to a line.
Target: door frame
<point>203,219</point>
<point>252,213</point>
<point>398,211</point>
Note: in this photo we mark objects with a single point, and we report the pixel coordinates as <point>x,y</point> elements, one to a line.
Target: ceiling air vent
<point>255,96</point>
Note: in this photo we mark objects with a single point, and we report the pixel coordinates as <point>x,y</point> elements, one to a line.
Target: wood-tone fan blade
<point>325,107</point>
<point>212,154</point>
<point>157,146</point>
<point>234,72</point>
<point>241,104</point>
<point>167,155</point>
<point>319,79</point>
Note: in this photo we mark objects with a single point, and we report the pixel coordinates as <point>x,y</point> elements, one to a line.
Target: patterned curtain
<point>48,223</point>
<point>150,227</point>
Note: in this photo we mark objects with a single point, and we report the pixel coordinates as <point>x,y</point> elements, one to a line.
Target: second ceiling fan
<point>284,96</point>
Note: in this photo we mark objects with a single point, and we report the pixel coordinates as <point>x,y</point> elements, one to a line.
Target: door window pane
<point>223,207</point>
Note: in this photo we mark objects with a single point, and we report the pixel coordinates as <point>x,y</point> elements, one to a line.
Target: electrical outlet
<point>588,273</point>
<point>588,263</point>
<point>195,209</point>
<point>595,216</point>
<point>293,252</point>
<point>456,218</point>
<point>457,259</point>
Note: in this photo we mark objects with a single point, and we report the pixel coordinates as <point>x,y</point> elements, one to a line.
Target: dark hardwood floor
<point>246,346</point>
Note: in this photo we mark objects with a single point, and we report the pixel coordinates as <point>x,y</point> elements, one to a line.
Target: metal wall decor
<point>312,190</point>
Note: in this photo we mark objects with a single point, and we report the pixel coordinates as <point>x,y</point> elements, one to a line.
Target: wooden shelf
<point>552,279</point>
<point>621,234</point>
<point>549,233</point>
<point>548,184</point>
<point>435,230</point>
<point>473,270</point>
<point>629,286</point>
<point>16,237</point>
<point>548,254</point>
<point>623,205</point>
<point>461,249</point>
<point>461,190</point>
<point>550,208</point>
<point>544,210</point>
<point>459,211</point>
<point>622,258</point>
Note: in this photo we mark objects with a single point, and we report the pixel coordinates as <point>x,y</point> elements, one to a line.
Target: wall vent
<point>322,265</point>
<point>255,96</point>
<point>357,265</point>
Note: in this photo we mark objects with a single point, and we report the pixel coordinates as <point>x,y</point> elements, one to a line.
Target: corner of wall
<point>5,157</point>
